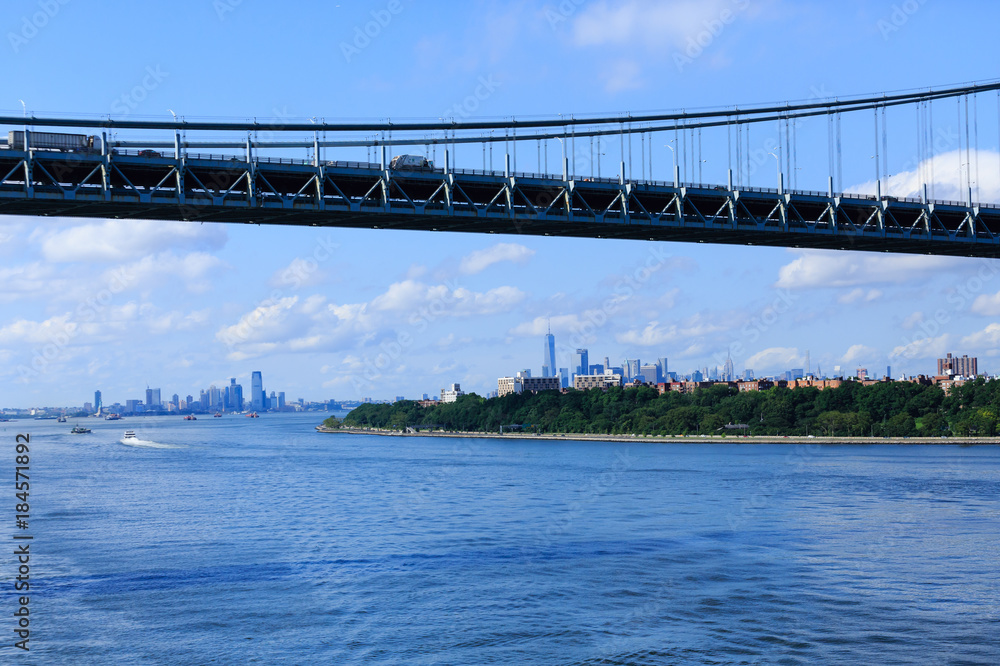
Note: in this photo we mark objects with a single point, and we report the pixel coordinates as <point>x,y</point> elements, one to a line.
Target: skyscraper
<point>549,359</point>
<point>257,391</point>
<point>97,402</point>
<point>632,368</point>
<point>728,372</point>
<point>582,362</point>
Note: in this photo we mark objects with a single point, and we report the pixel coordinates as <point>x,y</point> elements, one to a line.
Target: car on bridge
<point>411,163</point>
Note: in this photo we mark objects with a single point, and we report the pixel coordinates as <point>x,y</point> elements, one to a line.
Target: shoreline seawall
<point>679,439</point>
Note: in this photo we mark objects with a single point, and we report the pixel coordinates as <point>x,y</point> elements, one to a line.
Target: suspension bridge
<point>300,173</point>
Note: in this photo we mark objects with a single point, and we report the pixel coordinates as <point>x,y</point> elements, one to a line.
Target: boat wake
<point>145,443</point>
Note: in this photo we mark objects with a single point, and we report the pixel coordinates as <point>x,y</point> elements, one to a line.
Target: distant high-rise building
<point>257,391</point>
<point>797,373</point>
<point>97,402</point>
<point>953,365</point>
<point>582,362</point>
<point>649,373</point>
<point>188,401</point>
<point>452,394</point>
<point>632,368</point>
<point>728,371</point>
<point>564,377</point>
<point>862,373</point>
<point>697,376</point>
<point>597,369</point>
<point>272,402</point>
<point>176,400</point>
<point>549,357</point>
<point>281,399</point>
<point>888,372</point>
<point>662,362</point>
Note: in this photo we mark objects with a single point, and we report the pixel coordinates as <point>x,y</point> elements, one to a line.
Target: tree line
<point>886,409</point>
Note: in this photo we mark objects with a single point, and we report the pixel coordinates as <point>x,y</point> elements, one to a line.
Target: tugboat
<point>79,430</point>
<point>217,415</point>
<point>252,415</point>
<point>190,417</point>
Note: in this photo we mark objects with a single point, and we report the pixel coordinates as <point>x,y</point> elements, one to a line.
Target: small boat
<point>130,436</point>
<point>252,415</point>
<point>61,419</point>
<point>112,417</point>
<point>79,430</point>
<point>217,415</point>
<point>190,417</point>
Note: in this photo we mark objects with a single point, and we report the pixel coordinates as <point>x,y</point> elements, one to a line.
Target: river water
<point>235,541</point>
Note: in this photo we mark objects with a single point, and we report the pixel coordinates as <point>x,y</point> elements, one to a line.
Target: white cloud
<point>859,354</point>
<point>988,338</point>
<point>775,359</point>
<point>816,269</point>
<point>59,330</point>
<point>299,273</point>
<point>656,25</point>
<point>860,294</point>
<point>411,296</point>
<point>987,304</point>
<point>480,260</point>
<point>194,270</point>
<point>539,326</point>
<point>622,75</point>
<point>655,335</point>
<point>126,240</point>
<point>910,322</point>
<point>921,348</point>
<point>949,178</point>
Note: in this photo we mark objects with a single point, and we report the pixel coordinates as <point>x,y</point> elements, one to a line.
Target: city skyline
<point>355,313</point>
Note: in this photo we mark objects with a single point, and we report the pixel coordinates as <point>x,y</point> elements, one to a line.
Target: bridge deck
<point>362,195</point>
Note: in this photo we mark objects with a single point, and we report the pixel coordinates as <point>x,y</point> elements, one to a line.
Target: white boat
<point>130,436</point>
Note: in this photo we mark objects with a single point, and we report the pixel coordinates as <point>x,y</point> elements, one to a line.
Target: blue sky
<point>345,314</point>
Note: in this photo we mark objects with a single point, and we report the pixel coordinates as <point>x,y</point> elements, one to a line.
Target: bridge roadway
<point>144,185</point>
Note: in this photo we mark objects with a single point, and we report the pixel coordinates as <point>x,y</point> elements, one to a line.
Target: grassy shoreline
<point>680,439</point>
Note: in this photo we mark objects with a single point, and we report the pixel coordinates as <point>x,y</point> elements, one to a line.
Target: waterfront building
<point>602,381</point>
<point>257,391</point>
<point>955,366</point>
<point>549,357</point>
<point>451,394</point>
<point>521,383</point>
<point>281,400</point>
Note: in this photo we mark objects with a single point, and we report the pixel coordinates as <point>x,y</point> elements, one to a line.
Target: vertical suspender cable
<point>840,157</point>
<point>701,178</point>
<point>975,130</point>
<point>961,184</point>
<point>878,170</point>
<point>795,154</point>
<point>642,154</point>
<point>885,152</point>
<point>748,154</point>
<point>930,137</point>
<point>684,152</point>
<point>788,151</point>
